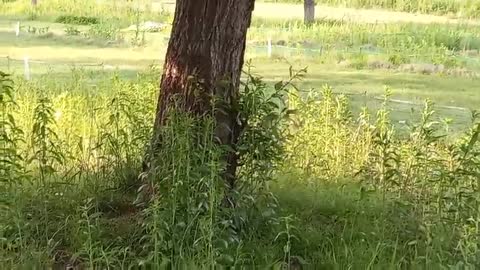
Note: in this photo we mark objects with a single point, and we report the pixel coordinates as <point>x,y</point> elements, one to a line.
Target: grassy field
<point>417,61</point>
<point>458,8</point>
<point>377,168</point>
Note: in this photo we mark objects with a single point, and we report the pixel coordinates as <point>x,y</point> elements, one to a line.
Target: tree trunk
<point>309,6</point>
<point>34,2</point>
<point>204,61</point>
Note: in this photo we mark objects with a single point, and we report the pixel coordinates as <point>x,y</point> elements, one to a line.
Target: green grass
<point>341,57</point>
<point>353,181</point>
<point>50,10</point>
<point>460,8</point>
<point>341,230</point>
<point>326,215</point>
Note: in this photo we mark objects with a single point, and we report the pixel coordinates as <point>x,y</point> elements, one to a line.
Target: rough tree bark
<point>203,62</point>
<point>309,6</point>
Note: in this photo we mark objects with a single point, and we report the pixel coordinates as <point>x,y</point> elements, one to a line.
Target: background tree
<point>203,64</point>
<point>309,6</point>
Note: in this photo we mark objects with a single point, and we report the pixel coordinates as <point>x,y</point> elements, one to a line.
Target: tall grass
<point>120,12</point>
<point>460,8</point>
<point>433,179</point>
<point>449,45</point>
<point>350,190</point>
<point>76,150</point>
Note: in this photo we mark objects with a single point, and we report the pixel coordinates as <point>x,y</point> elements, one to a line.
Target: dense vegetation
<point>325,181</point>
<point>70,163</point>
<point>459,8</point>
<point>79,20</point>
<point>396,44</point>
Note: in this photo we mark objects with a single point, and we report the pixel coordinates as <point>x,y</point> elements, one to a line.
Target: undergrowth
<point>317,185</point>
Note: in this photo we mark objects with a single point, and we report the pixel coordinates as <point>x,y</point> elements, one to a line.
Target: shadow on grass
<point>338,229</point>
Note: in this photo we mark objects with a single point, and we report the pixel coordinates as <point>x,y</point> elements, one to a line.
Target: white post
<point>17,29</point>
<point>269,47</point>
<point>27,68</point>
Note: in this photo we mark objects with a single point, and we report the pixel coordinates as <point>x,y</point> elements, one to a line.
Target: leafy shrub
<point>10,134</point>
<point>398,59</point>
<point>359,60</point>
<point>107,31</point>
<point>79,20</point>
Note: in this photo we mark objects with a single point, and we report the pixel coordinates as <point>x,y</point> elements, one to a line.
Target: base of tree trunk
<point>309,11</point>
<point>202,69</point>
